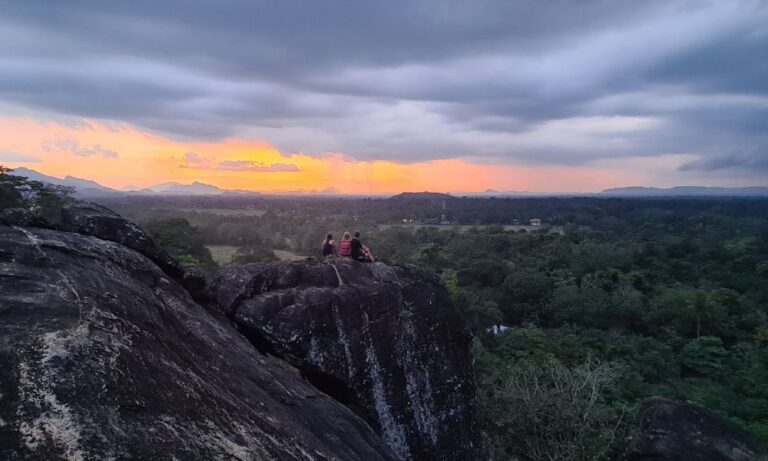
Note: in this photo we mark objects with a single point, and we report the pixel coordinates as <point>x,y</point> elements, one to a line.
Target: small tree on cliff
<point>44,199</point>
<point>9,196</point>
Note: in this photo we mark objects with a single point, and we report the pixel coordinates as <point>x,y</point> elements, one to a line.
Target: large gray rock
<point>669,430</point>
<point>386,341</point>
<point>104,356</point>
<point>23,217</point>
<point>92,219</point>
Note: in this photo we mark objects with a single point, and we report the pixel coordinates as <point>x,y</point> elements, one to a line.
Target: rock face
<point>22,217</point>
<point>92,219</point>
<point>668,430</point>
<point>104,356</point>
<point>383,340</point>
<point>98,221</point>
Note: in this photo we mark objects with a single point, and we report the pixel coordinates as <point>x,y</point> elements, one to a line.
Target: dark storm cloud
<point>557,82</point>
<point>754,159</point>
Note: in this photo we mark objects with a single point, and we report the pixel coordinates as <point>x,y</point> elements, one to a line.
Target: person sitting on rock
<point>329,248</point>
<point>345,246</point>
<point>359,251</point>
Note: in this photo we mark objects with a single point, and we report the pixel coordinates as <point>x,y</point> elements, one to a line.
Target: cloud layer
<point>195,161</point>
<point>493,81</point>
<point>15,157</point>
<point>73,147</point>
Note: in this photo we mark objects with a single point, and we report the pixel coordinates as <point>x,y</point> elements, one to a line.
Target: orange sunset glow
<point>363,100</point>
<point>141,160</point>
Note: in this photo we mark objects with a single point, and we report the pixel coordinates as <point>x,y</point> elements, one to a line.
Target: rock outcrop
<point>386,341</point>
<point>98,221</point>
<point>110,350</point>
<point>103,355</point>
<point>92,219</point>
<point>23,217</point>
<point>669,430</point>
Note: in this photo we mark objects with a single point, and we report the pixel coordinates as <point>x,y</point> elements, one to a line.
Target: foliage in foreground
<point>182,241</point>
<point>544,410</point>
<point>45,200</point>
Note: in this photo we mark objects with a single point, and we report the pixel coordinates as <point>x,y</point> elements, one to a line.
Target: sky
<point>387,96</point>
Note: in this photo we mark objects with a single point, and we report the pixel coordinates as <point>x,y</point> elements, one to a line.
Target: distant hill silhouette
<point>89,188</point>
<point>422,196</point>
<point>196,188</point>
<point>83,187</point>
<point>687,191</point>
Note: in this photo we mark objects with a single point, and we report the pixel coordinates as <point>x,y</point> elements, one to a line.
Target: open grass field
<point>222,254</point>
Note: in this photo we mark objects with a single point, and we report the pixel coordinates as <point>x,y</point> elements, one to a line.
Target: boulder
<point>23,218</point>
<point>104,356</point>
<point>384,340</point>
<point>669,430</point>
<point>92,219</point>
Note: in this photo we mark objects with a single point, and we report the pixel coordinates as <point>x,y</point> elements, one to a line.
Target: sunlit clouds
<point>118,156</point>
<point>362,96</point>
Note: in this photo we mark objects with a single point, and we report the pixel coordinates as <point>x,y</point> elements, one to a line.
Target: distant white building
<point>535,222</point>
<point>497,329</point>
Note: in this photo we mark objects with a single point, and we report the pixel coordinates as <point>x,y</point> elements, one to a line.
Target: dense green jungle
<point>607,302</point>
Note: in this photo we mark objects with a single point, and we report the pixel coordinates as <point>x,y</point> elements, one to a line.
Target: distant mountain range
<point>496,193</point>
<point>82,187</point>
<point>637,191</point>
<point>196,188</point>
<point>686,191</point>
<point>88,188</point>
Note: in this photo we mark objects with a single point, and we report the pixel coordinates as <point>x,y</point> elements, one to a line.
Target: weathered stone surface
<point>104,356</point>
<point>23,217</point>
<point>669,430</point>
<point>92,219</point>
<point>198,285</point>
<point>383,340</point>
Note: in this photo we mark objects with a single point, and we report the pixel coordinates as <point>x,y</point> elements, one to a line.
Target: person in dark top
<point>357,246</point>
<point>328,246</point>
<point>359,251</point>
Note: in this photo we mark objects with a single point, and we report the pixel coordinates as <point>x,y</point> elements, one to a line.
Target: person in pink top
<point>345,246</point>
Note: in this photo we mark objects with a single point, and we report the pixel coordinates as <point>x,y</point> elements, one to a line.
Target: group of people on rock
<point>349,247</point>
